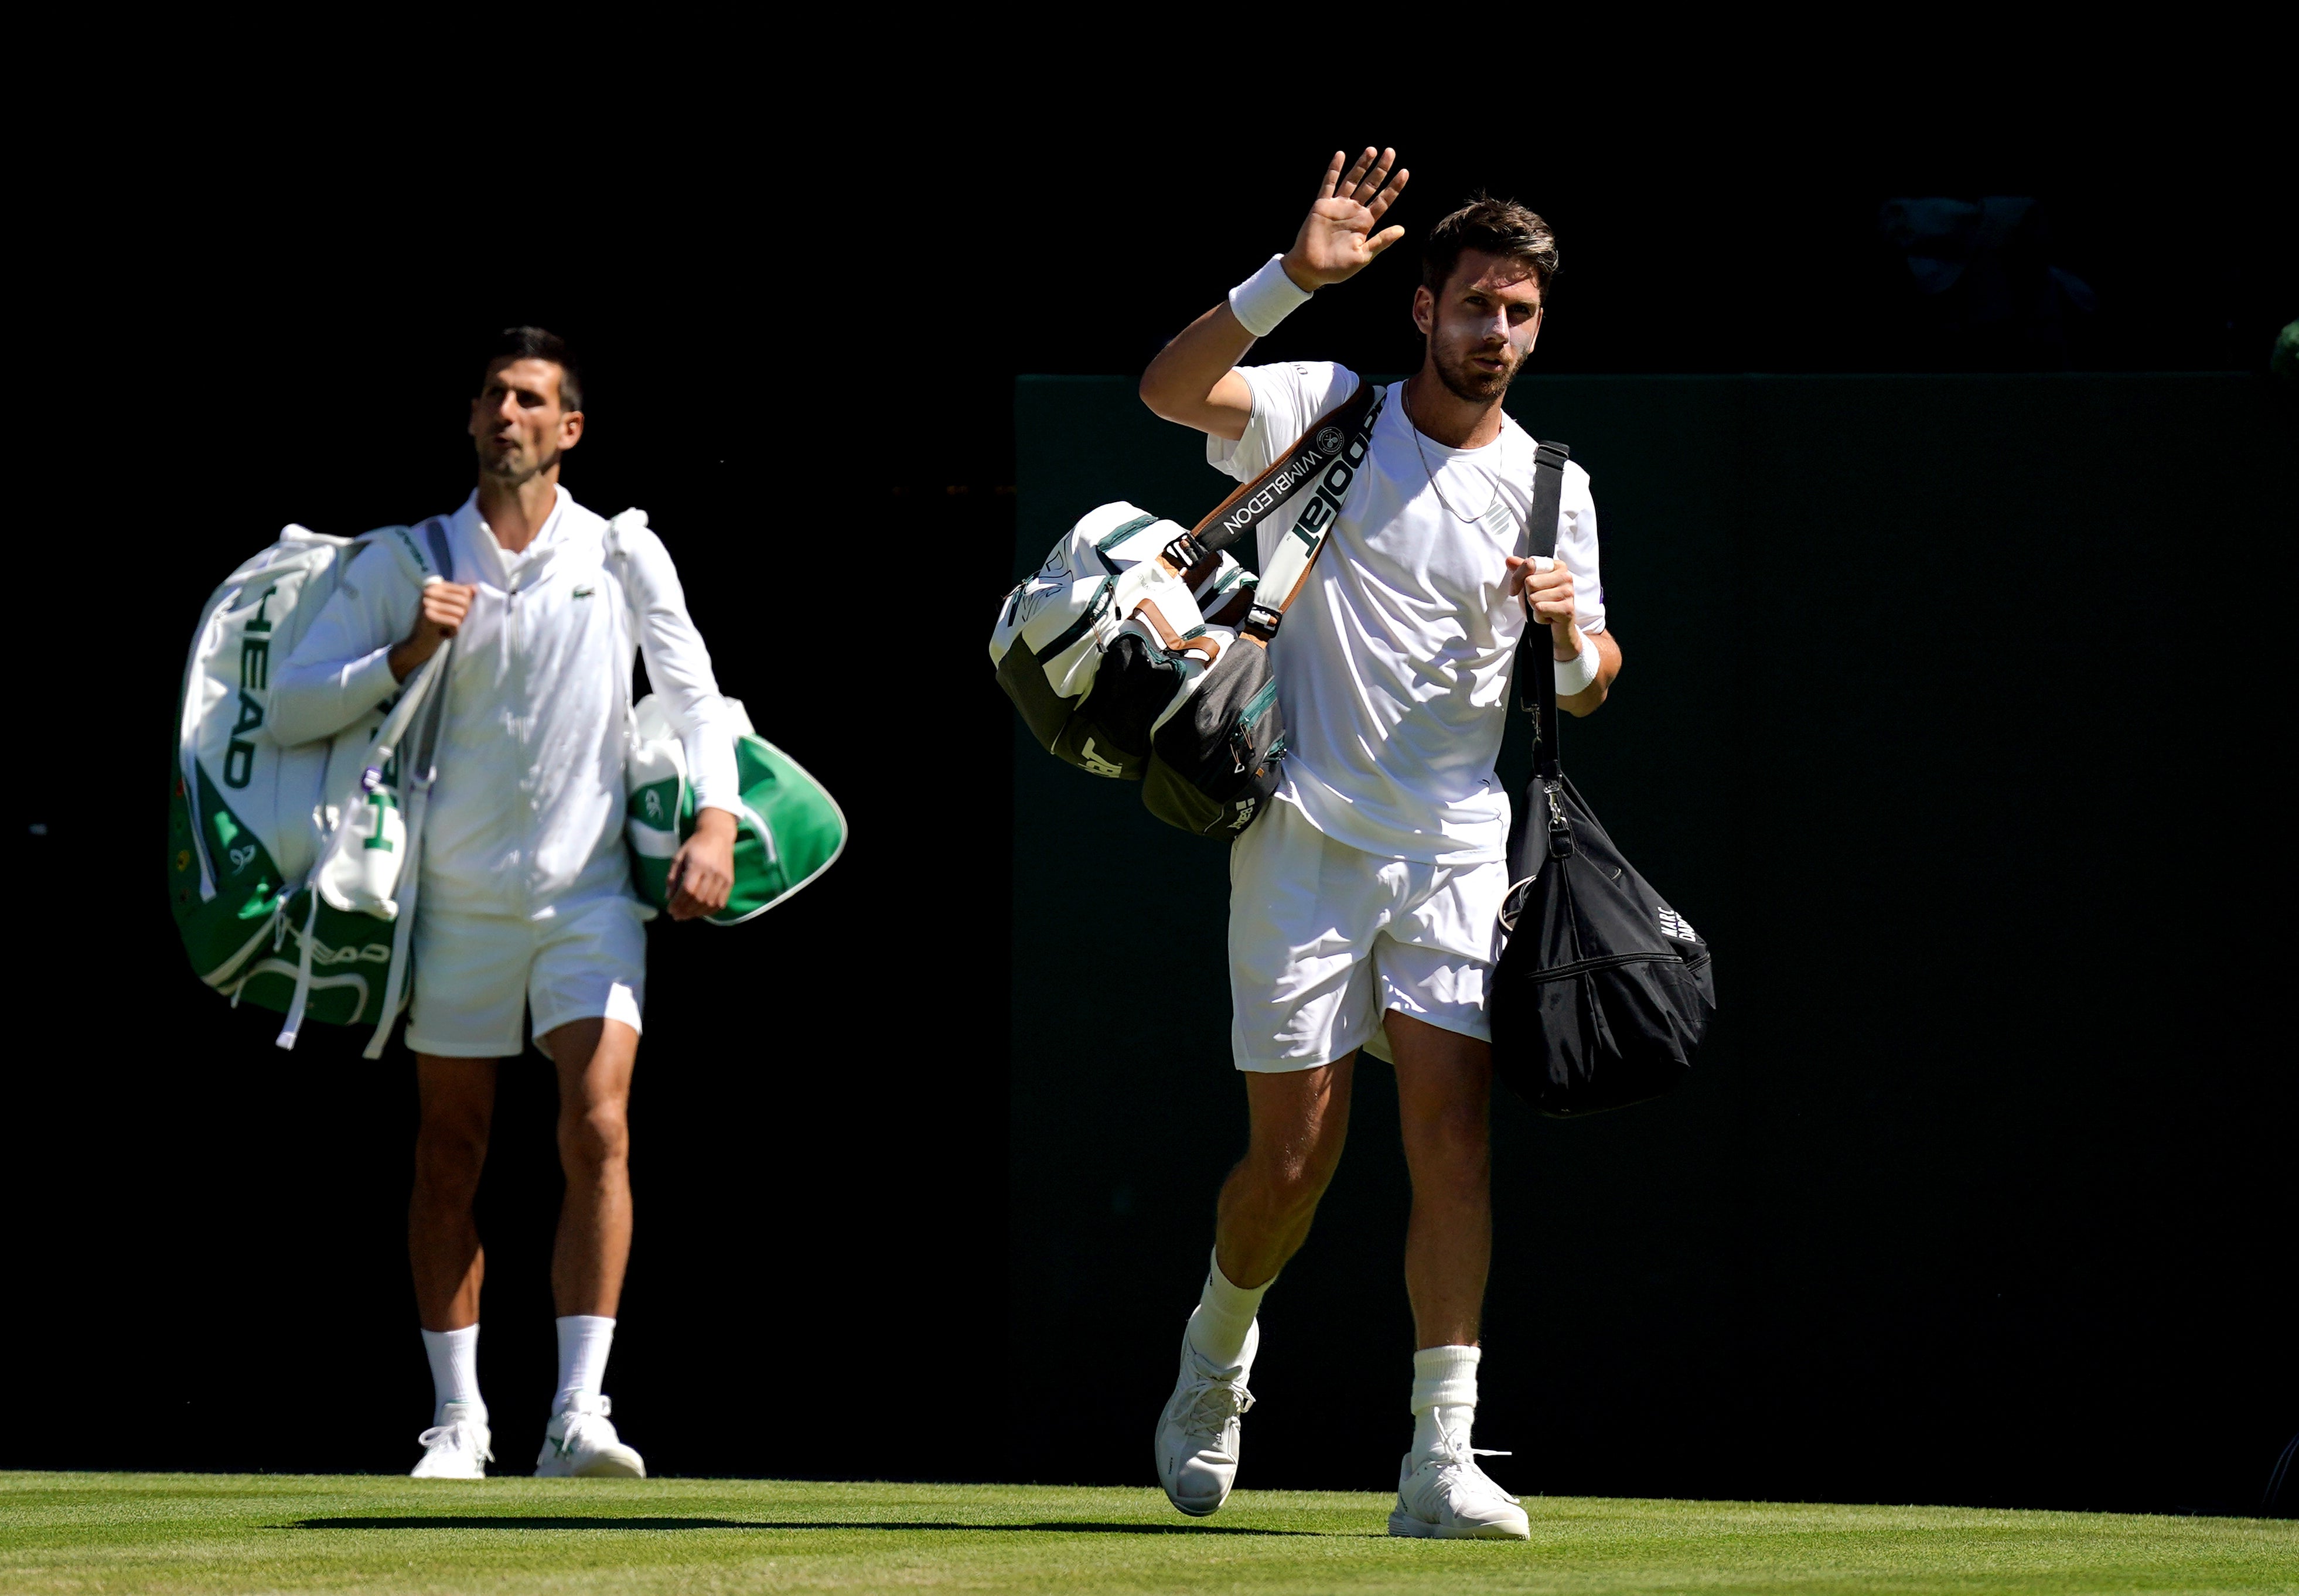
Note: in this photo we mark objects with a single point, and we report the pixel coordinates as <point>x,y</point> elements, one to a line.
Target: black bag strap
<point>1536,660</point>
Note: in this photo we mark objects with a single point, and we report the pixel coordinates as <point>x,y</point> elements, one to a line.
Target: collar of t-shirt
<point>474,539</point>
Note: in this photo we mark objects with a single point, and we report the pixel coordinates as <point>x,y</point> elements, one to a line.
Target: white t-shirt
<point>1393,665</point>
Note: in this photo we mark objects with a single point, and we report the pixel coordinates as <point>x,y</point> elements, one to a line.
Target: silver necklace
<point>1421,449</point>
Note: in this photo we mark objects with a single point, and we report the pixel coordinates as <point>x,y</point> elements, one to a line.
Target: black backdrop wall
<point>802,358</point>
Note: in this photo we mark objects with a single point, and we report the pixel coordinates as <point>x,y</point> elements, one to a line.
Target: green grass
<point>241,1533</point>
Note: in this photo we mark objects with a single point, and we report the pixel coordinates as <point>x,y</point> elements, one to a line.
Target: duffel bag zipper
<point>1609,961</point>
<point>1259,704</point>
<point>1083,624</point>
<point>1240,735</point>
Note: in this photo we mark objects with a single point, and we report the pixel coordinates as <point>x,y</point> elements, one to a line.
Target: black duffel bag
<point>1604,993</point>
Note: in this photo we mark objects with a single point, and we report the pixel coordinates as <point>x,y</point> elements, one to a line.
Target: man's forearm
<point>1191,381</point>
<point>1180,382</point>
<point>319,698</point>
<point>1609,666</point>
<point>406,658</point>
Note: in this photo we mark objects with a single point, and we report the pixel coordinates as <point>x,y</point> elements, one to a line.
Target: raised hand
<point>1337,240</point>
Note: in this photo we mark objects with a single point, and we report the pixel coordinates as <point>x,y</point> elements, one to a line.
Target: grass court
<point>258,1533</point>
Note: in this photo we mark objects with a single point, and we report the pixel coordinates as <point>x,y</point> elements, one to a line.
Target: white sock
<point>454,1357</point>
<point>1225,1315</point>
<point>583,1339</point>
<point>1444,1394</point>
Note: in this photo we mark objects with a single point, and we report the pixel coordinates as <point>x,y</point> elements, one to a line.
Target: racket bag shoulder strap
<point>1604,993</point>
<point>1323,461</point>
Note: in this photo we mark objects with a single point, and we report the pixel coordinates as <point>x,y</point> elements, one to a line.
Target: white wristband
<point>1574,674</point>
<point>1266,298</point>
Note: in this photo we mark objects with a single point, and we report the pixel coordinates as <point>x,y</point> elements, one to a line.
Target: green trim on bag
<point>237,941</point>
<point>350,964</point>
<point>1259,704</point>
<point>1125,532</point>
<point>216,931</point>
<point>653,805</point>
<point>791,832</point>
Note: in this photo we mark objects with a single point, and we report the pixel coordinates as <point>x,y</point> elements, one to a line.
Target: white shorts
<point>477,974</point>
<point>1324,939</point>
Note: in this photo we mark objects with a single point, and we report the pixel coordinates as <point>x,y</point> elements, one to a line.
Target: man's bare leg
<point>455,1101</point>
<point>455,1106</point>
<point>1444,1099</point>
<point>1299,1121</point>
<point>595,1060</point>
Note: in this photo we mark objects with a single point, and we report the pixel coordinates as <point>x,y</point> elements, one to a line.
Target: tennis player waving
<point>1362,904</point>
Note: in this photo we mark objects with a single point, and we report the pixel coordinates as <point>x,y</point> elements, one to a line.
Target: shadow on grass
<point>573,1521</point>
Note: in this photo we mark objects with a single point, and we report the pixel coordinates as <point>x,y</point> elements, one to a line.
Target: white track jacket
<point>527,814</point>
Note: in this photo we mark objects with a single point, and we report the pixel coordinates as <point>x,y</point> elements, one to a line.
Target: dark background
<point>1985,1197</point>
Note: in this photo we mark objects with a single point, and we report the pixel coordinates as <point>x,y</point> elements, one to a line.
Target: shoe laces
<point>459,1434</point>
<point>1213,1405</point>
<point>578,1426</point>
<point>592,1406</point>
<point>1451,1455</point>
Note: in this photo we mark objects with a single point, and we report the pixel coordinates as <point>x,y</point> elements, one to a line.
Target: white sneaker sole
<point>1402,1523</point>
<point>605,1466</point>
<point>1194,1509</point>
<point>1208,1511</point>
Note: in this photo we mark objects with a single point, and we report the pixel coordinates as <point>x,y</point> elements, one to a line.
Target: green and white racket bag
<point>790,831</point>
<point>290,869</point>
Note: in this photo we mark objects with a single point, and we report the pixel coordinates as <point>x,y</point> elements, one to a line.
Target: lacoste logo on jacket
<point>583,592</point>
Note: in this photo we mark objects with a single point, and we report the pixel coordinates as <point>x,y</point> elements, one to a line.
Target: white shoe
<point>1442,1495</point>
<point>579,1443</point>
<point>1197,1432</point>
<point>458,1449</point>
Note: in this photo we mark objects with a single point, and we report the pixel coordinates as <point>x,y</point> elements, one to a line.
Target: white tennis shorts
<point>477,975</point>
<point>1324,939</point>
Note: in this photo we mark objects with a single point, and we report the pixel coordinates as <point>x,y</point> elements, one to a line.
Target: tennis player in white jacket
<point>526,905</point>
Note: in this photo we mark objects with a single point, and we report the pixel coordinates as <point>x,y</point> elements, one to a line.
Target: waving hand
<point>1337,239</point>
<point>1193,380</point>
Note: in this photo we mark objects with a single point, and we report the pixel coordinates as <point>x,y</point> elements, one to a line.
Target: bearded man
<point>1363,902</point>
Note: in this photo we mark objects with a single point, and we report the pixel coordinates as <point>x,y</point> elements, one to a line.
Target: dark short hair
<point>537,343</point>
<point>1500,227</point>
